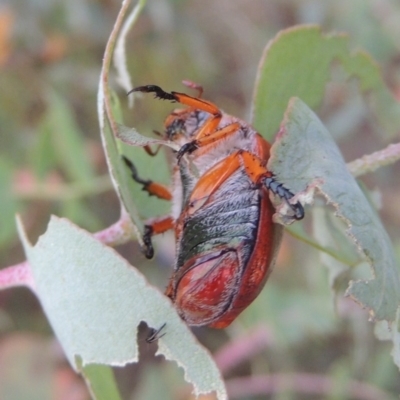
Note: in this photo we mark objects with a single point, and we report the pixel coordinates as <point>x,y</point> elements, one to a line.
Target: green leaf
<point>297,63</point>
<point>386,109</point>
<point>101,382</point>
<point>118,171</point>
<point>67,139</point>
<point>9,205</point>
<point>329,233</point>
<point>148,167</point>
<point>43,157</point>
<point>95,301</point>
<point>305,154</point>
<point>132,137</point>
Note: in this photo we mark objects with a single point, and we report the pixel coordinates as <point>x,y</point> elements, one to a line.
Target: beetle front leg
<point>182,98</point>
<point>209,127</point>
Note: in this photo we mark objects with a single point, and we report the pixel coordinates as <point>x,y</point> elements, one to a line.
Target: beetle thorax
<point>182,126</point>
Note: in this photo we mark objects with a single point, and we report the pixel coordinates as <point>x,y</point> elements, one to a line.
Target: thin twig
<point>17,275</point>
<point>21,274</point>
<point>372,162</point>
<point>116,234</point>
<point>243,348</point>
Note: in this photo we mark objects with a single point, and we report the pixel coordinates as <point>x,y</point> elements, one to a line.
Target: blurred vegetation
<point>51,161</point>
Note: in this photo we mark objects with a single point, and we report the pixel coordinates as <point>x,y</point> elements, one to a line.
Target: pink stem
<point>118,233</point>
<point>372,162</point>
<point>243,348</point>
<point>17,275</point>
<point>21,274</point>
<point>309,384</point>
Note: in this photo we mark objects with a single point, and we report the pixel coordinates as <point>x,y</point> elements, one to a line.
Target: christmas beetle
<point>221,210</point>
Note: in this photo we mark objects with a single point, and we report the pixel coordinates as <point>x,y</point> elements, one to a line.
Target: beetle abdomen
<point>216,246</point>
<point>225,220</point>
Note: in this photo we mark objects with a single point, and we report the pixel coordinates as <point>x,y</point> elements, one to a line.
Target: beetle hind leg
<point>258,173</point>
<point>154,226</point>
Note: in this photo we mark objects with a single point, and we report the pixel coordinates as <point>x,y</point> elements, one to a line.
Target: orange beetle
<point>221,213</point>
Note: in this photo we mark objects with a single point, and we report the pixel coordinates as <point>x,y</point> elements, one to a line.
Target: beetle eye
<point>175,128</point>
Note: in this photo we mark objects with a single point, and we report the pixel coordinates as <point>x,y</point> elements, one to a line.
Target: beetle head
<point>182,124</point>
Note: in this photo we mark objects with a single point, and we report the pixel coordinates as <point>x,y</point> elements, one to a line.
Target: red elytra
<point>226,241</point>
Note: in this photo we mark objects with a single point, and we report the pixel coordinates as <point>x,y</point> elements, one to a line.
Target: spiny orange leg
<point>152,188</point>
<point>180,98</point>
<point>258,173</point>
<point>154,226</point>
<point>209,126</point>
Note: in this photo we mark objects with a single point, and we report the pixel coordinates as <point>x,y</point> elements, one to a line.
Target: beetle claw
<point>158,92</point>
<point>148,245</point>
<point>277,188</point>
<point>189,147</point>
<point>298,210</point>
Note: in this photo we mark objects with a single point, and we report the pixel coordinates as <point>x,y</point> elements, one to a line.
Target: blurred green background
<point>51,161</point>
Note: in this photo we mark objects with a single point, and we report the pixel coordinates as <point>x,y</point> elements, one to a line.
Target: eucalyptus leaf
<point>297,63</point>
<point>132,137</point>
<point>101,382</point>
<point>67,139</point>
<point>95,300</point>
<point>305,154</point>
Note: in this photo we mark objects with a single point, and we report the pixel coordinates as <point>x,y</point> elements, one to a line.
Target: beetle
<point>221,214</point>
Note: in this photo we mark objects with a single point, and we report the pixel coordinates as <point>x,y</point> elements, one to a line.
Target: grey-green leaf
<point>95,300</point>
<point>305,154</point>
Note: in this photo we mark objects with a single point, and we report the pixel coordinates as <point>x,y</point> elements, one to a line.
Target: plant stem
<point>372,162</point>
<point>17,275</point>
<point>309,384</point>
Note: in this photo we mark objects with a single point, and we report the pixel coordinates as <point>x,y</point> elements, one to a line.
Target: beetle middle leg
<point>152,188</point>
<point>154,226</point>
